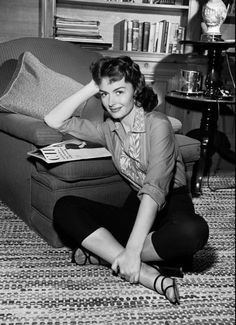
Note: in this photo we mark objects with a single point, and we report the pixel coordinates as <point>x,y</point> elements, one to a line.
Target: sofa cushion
<point>79,170</point>
<point>35,89</point>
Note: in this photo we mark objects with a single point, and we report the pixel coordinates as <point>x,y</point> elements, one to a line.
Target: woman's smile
<point>114,109</point>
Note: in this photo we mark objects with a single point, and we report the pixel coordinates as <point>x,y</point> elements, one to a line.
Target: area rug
<point>39,285</point>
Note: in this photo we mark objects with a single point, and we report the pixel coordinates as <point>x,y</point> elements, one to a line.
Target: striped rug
<point>39,285</point>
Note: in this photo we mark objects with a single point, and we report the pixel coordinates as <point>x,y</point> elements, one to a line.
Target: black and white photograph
<point>117,164</point>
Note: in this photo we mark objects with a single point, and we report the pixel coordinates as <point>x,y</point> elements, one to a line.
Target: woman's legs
<point>80,221</point>
<point>178,233</point>
<point>75,218</point>
<point>102,243</point>
<point>104,230</point>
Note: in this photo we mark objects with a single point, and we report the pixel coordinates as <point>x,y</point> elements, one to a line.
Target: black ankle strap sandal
<point>164,290</point>
<point>82,256</point>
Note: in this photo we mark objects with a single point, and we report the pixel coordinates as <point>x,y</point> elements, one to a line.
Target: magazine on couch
<point>69,150</point>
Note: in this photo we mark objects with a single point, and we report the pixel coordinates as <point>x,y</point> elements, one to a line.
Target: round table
<point>213,82</point>
<point>207,134</point>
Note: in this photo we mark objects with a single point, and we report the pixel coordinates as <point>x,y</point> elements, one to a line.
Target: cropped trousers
<point>177,232</point>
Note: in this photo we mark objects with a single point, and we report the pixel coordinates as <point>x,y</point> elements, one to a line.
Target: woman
<point>158,222</point>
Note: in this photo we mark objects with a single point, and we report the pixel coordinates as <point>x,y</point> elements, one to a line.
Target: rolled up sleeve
<point>161,161</point>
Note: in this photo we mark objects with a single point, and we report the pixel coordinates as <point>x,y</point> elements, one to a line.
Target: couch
<point>30,187</point>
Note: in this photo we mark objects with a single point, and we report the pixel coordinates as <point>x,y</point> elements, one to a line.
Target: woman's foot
<point>167,286</point>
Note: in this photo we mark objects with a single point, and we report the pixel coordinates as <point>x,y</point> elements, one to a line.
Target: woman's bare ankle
<point>152,278</point>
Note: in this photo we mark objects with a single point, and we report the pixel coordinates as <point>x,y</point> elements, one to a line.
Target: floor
<point>221,167</point>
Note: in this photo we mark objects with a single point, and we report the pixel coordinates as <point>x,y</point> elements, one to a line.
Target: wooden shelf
<point>124,5</point>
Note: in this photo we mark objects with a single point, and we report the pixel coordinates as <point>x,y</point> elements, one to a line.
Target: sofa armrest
<point>190,148</point>
<point>176,124</point>
<point>29,129</point>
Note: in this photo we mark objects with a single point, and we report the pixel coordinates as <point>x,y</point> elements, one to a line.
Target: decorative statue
<point>214,13</point>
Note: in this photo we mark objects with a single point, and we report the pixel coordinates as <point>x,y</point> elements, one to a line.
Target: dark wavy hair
<point>124,67</point>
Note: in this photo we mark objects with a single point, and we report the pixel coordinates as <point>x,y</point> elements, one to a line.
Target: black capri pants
<point>178,232</point>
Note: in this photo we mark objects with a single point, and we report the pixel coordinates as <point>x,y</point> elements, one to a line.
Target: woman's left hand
<point>127,264</point>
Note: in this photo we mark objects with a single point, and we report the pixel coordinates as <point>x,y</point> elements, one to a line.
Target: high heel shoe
<point>164,289</point>
<point>168,270</point>
<point>82,256</point>
<point>174,268</point>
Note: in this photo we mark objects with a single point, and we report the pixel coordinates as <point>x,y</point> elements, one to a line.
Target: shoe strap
<point>154,283</point>
<point>169,286</point>
<point>87,257</point>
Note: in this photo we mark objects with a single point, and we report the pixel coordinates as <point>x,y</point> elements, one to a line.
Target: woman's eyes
<point>118,92</point>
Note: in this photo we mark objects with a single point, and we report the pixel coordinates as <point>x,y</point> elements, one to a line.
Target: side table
<point>213,82</point>
<point>210,109</point>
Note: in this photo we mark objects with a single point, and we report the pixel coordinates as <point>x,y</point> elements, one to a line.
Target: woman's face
<point>117,97</point>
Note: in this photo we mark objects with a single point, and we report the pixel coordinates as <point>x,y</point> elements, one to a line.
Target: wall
<point>19,18</point>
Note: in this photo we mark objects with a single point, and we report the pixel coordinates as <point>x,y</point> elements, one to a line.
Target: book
<point>165,36</point>
<point>95,46</point>
<point>88,33</point>
<point>129,35</point>
<point>76,25</point>
<point>135,35</point>
<point>156,37</point>
<point>152,38</point>
<point>140,36</point>
<point>172,47</point>
<point>160,29</point>
<point>168,38</point>
<point>78,39</point>
<point>180,37</point>
<point>69,150</point>
<point>71,20</point>
<point>120,35</point>
<point>146,33</point>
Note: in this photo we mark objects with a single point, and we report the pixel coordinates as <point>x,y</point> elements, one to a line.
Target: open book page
<point>69,150</point>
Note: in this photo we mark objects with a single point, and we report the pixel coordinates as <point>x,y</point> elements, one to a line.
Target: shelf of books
<point>146,26</point>
<point>153,37</point>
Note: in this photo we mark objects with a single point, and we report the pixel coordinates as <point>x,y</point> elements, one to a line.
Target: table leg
<point>213,80</point>
<point>208,128</point>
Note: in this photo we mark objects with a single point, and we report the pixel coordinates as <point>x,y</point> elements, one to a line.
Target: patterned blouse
<point>147,156</point>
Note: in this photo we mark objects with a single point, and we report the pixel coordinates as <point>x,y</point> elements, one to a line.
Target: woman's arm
<point>66,108</point>
<point>129,261</point>
<point>144,221</point>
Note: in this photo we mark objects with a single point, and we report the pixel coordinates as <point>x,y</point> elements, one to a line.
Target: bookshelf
<point>158,68</point>
<point>111,12</point>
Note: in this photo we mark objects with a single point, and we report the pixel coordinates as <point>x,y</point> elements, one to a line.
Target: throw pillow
<point>35,89</point>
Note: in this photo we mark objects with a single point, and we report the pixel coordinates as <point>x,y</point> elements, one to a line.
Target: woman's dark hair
<point>124,67</point>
